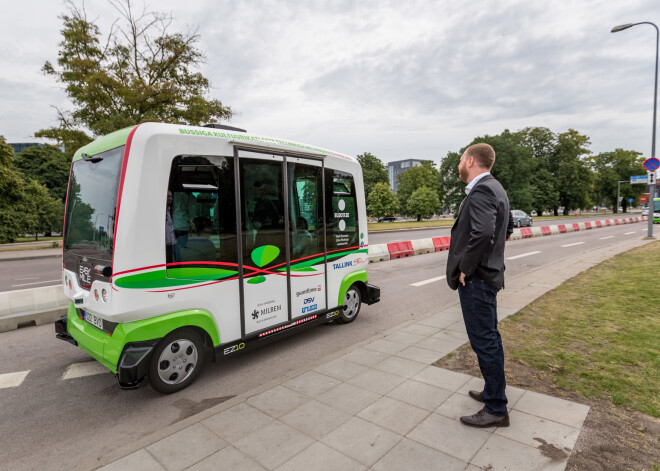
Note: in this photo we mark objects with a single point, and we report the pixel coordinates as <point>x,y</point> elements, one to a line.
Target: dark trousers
<point>479,306</point>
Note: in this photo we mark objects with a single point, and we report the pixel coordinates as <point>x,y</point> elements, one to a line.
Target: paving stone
<point>273,444</point>
<point>400,366</point>
<point>535,431</point>
<point>458,405</point>
<point>278,401</point>
<point>513,394</point>
<point>311,383</point>
<point>394,415</point>
<point>341,369</point>
<point>141,460</point>
<point>376,381</point>
<point>348,398</point>
<point>420,395</point>
<point>442,346</point>
<point>363,441</point>
<point>186,447</point>
<point>553,408</point>
<point>442,320</point>
<point>442,378</point>
<point>452,336</point>
<point>500,454</point>
<point>227,458</point>
<point>406,338</point>
<point>236,422</point>
<point>450,436</point>
<point>410,455</point>
<point>365,357</point>
<point>421,355</point>
<point>315,419</point>
<point>385,346</point>
<point>319,457</point>
<point>458,326</point>
<point>421,329</point>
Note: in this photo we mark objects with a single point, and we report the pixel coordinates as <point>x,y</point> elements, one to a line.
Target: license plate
<point>94,320</point>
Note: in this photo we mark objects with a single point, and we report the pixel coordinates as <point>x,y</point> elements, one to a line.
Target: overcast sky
<point>413,79</point>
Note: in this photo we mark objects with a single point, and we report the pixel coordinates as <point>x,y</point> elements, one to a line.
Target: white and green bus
<point>180,241</point>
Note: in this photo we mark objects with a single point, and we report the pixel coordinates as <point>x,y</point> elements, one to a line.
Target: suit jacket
<point>483,225</point>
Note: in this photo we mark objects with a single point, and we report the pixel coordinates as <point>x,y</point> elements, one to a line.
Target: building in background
<point>18,147</point>
<point>394,169</point>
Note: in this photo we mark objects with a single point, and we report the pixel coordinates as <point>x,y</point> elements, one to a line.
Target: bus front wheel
<point>352,303</point>
<point>177,361</point>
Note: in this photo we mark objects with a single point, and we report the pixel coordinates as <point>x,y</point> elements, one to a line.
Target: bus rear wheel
<point>352,303</point>
<point>177,361</point>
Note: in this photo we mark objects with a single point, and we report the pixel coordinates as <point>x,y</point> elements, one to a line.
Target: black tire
<point>170,367</point>
<point>352,303</point>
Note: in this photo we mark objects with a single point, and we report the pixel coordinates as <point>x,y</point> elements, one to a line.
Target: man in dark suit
<point>475,266</point>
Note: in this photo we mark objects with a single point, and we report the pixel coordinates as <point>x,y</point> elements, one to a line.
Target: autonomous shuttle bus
<point>180,241</point>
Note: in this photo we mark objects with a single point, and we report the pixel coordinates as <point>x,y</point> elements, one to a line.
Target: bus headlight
<point>104,295</point>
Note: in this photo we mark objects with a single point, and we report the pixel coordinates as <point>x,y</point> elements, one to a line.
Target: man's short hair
<point>483,154</point>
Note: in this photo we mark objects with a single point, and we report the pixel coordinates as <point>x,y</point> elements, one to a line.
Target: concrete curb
<point>27,257</point>
<point>39,306</point>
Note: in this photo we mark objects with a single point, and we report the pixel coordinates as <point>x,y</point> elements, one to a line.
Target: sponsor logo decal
<point>331,314</point>
<point>309,307</point>
<point>337,266</point>
<point>307,291</point>
<point>85,275</point>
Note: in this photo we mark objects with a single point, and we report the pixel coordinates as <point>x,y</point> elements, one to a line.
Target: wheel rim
<point>177,361</point>
<point>352,303</point>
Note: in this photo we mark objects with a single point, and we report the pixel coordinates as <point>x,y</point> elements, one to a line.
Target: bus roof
<point>118,138</point>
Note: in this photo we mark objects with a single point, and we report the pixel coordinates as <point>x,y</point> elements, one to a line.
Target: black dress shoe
<point>483,419</point>
<point>477,395</point>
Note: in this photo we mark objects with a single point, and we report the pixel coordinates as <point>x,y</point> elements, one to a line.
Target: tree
<point>373,171</point>
<point>453,189</point>
<point>382,201</point>
<point>414,178</point>
<point>423,203</point>
<point>612,167</point>
<point>542,142</point>
<point>139,72</point>
<point>47,165</point>
<point>11,195</point>
<point>43,212</point>
<point>573,178</point>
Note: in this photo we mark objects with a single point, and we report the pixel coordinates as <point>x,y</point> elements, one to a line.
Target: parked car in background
<point>387,219</point>
<point>521,218</point>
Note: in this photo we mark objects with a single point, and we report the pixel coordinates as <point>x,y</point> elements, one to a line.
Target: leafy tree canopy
<point>47,165</point>
<point>138,72</point>
<point>373,171</point>
<point>12,217</point>
<point>43,212</point>
<point>612,167</point>
<point>423,203</point>
<point>416,177</point>
<point>382,201</point>
<point>452,186</point>
<point>573,177</point>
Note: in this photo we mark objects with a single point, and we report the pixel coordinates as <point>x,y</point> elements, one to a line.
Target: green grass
<point>599,333</point>
<point>41,239</point>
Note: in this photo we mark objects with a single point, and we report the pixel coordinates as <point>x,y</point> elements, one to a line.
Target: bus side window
<point>203,213</point>
<point>341,210</point>
<point>306,217</point>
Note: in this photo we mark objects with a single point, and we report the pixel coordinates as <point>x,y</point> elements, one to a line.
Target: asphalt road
<point>25,274</point>
<point>49,422</point>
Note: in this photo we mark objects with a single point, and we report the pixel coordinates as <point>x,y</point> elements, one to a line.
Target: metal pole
<point>618,192</point>
<point>655,107</point>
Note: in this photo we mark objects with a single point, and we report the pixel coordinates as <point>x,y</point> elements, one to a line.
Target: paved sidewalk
<point>381,406</point>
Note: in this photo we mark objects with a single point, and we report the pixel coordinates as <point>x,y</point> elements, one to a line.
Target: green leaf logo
<point>264,255</point>
<point>257,280</point>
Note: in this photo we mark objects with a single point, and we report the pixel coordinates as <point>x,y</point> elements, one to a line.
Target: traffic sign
<point>639,179</point>
<point>652,178</point>
<point>652,164</point>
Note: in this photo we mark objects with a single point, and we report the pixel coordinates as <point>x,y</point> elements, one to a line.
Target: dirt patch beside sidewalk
<point>612,438</point>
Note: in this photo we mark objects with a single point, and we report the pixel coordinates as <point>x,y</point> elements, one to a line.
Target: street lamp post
<point>616,29</point>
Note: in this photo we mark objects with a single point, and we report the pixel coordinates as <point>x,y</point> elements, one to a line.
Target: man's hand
<point>461,279</point>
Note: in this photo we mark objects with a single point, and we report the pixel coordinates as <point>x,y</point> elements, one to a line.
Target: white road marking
<point>36,283</point>
<point>603,238</point>
<point>12,380</point>
<point>430,280</point>
<point>89,368</point>
<point>28,278</point>
<point>523,255</point>
<point>571,245</point>
<point>628,233</point>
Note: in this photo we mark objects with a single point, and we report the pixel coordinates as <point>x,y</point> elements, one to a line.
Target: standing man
<point>475,266</point>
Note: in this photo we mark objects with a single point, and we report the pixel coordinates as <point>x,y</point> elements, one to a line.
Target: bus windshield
<point>92,204</point>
